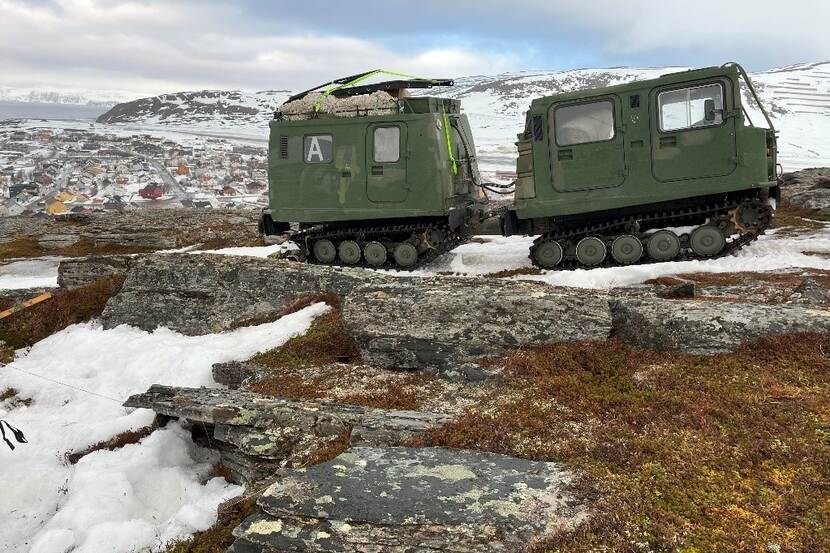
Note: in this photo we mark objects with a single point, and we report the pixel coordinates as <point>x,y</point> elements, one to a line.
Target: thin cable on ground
<point>72,386</point>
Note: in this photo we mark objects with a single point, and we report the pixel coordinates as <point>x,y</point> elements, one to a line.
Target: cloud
<point>163,46</point>
<point>152,46</point>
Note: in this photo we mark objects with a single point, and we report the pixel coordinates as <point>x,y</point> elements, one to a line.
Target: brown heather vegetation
<point>515,272</point>
<point>6,354</point>
<point>116,442</point>
<point>325,342</point>
<point>684,453</point>
<point>67,307</point>
<point>27,246</point>
<point>11,393</point>
<point>218,537</point>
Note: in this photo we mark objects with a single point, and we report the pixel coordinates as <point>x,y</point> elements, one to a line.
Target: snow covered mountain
<point>206,107</point>
<point>79,97</point>
<point>797,97</point>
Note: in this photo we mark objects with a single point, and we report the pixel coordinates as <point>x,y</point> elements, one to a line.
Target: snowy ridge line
<point>496,105</point>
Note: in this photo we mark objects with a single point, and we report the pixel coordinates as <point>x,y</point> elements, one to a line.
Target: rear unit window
<point>690,108</point>
<point>387,144</point>
<point>582,123</point>
<point>318,148</point>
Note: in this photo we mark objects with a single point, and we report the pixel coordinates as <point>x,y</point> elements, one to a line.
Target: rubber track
<point>363,234</point>
<point>655,222</point>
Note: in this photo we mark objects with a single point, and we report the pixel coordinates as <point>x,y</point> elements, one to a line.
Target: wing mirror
<point>709,111</point>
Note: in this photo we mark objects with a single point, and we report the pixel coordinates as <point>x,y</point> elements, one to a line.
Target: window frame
<point>305,156</point>
<point>556,107</point>
<point>700,84</point>
<point>374,142</point>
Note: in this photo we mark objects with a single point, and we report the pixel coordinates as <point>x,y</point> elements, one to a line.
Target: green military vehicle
<point>612,175</point>
<point>657,170</point>
<point>370,176</point>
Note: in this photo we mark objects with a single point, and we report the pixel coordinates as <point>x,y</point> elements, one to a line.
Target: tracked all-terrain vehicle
<point>613,175</point>
<point>371,176</point>
<point>658,170</point>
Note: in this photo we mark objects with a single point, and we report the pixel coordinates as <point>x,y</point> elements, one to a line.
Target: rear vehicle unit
<point>365,175</point>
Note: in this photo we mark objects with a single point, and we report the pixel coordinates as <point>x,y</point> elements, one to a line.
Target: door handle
<point>565,154</point>
<point>668,141</point>
<point>377,170</point>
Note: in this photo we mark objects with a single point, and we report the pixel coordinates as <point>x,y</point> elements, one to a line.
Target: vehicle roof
<point>677,77</point>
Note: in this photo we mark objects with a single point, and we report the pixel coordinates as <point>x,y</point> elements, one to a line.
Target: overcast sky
<point>151,46</point>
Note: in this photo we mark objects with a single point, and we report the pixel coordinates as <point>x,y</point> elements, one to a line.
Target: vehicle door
<point>586,144</point>
<point>693,134</point>
<point>386,178</point>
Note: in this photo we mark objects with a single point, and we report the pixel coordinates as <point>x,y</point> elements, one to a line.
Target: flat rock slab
<point>450,324</point>
<point>205,293</point>
<point>257,428</point>
<point>80,271</point>
<point>407,499</point>
<point>708,327</point>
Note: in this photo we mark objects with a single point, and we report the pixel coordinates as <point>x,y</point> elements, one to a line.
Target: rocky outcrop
<point>707,327</point>
<point>419,500</point>
<point>448,324</point>
<point>80,271</point>
<point>200,294</point>
<point>256,434</point>
<point>140,230</point>
<point>809,188</point>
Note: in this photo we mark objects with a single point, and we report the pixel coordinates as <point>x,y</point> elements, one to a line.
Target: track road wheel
<point>406,255</point>
<point>349,252</point>
<point>375,254</point>
<point>626,249</point>
<point>547,254</point>
<point>663,245</point>
<point>591,251</point>
<point>324,251</point>
<point>707,240</point>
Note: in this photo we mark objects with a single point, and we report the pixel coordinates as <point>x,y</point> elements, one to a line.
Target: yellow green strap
<point>332,88</point>
<point>449,140</point>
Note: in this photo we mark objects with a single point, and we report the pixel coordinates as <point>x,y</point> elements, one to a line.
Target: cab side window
<point>387,142</point>
<point>583,123</point>
<point>690,108</point>
<point>318,148</point>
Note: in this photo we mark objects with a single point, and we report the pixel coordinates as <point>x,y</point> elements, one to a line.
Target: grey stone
<point>707,327</point>
<point>414,500</point>
<point>141,228</point>
<point>450,324</point>
<point>813,293</point>
<point>201,294</point>
<point>235,373</point>
<point>809,188</point>
<point>80,271</point>
<point>264,431</point>
<point>57,241</point>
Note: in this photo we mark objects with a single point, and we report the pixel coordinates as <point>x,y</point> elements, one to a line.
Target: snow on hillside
<point>80,97</point>
<point>136,498</point>
<point>798,98</point>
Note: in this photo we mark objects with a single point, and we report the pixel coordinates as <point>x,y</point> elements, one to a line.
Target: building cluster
<point>45,170</point>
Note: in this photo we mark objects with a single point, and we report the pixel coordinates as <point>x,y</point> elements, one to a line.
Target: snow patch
<point>30,273</point>
<point>133,499</point>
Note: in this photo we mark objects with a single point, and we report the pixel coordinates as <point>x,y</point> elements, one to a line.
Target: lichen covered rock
<point>202,294</point>
<point>406,499</point>
<point>449,324</point>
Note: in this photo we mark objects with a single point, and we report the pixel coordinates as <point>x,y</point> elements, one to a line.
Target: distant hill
<point>79,97</point>
<point>797,97</point>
